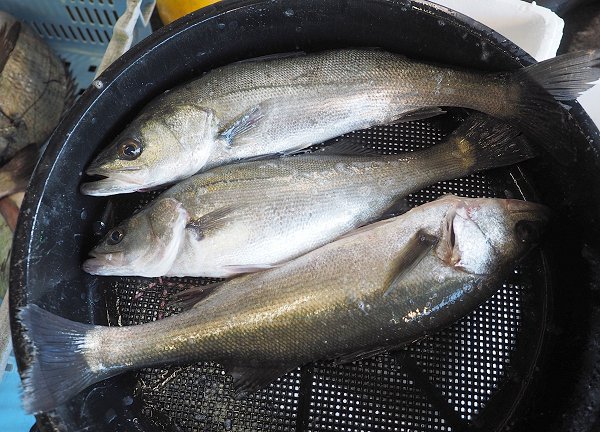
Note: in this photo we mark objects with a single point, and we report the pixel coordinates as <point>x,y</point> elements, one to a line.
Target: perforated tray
<point>427,386</point>
<point>465,378</point>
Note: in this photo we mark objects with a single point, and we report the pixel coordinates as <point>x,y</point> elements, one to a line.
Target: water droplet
<point>289,13</point>
<point>99,228</point>
<point>221,26</point>
<point>98,84</point>
<point>227,424</point>
<point>83,215</point>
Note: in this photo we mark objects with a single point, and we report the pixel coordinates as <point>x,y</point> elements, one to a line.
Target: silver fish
<point>254,215</point>
<point>282,105</point>
<point>384,285</point>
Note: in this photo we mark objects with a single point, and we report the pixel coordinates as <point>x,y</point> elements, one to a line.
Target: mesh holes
<point>441,383</point>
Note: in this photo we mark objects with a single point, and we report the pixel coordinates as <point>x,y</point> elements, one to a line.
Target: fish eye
<point>115,236</point>
<point>130,149</point>
<point>527,232</point>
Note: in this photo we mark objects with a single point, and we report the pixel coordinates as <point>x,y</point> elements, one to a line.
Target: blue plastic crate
<point>78,30</point>
<point>12,416</point>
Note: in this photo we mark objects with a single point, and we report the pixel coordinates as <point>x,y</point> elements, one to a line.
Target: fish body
<point>278,106</point>
<point>384,285</point>
<point>254,215</point>
<point>35,88</point>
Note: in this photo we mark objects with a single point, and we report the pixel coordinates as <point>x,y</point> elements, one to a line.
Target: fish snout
<point>103,264</point>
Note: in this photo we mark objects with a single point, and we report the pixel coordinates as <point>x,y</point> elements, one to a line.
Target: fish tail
<point>541,85</point>
<point>58,369</point>
<point>482,142</point>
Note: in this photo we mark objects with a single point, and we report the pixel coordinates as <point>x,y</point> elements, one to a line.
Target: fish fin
<point>364,228</point>
<point>566,76</point>
<point>15,174</point>
<point>399,207</point>
<point>561,78</point>
<point>359,355</point>
<point>270,57</point>
<point>58,369</point>
<point>242,124</point>
<point>191,297</point>
<point>415,250</point>
<point>247,380</point>
<point>8,41</point>
<point>419,114</point>
<point>348,146</point>
<point>482,142</point>
<point>250,268</point>
<point>210,221</point>
<point>299,149</point>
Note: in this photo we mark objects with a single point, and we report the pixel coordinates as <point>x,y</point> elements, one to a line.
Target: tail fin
<point>484,142</point>
<point>541,85</point>
<point>59,369</point>
<point>567,76</point>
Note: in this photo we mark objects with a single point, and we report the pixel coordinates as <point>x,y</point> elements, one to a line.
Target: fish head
<point>144,245</point>
<point>481,235</point>
<point>162,145</point>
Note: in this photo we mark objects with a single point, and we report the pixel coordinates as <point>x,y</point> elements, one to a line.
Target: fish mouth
<point>113,183</point>
<point>100,170</point>
<point>104,264</point>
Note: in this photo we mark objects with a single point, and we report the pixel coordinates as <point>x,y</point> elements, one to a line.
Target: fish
<point>254,215</point>
<point>36,88</point>
<point>380,287</point>
<point>279,106</point>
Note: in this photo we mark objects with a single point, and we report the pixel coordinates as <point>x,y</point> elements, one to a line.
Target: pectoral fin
<point>247,380</point>
<point>243,124</point>
<point>249,268</point>
<point>414,251</point>
<point>399,207</point>
<point>210,221</point>
<point>419,114</point>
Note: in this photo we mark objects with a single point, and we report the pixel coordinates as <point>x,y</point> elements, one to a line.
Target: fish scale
<point>254,215</point>
<point>385,285</point>
<point>279,106</point>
